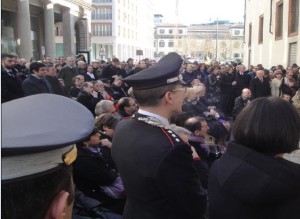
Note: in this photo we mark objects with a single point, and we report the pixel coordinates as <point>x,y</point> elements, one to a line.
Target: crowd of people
<point>173,139</point>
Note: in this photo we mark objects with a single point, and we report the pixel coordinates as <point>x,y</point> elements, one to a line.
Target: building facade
<point>169,38</point>
<point>39,28</point>
<point>272,33</point>
<point>122,29</point>
<point>202,42</point>
<point>219,40</point>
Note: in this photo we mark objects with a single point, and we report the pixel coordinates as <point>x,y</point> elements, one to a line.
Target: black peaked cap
<point>164,72</point>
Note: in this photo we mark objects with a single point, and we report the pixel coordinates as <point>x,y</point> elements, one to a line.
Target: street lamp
<point>217,32</point>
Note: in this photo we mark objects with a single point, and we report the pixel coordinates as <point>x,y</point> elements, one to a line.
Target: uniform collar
<point>161,119</point>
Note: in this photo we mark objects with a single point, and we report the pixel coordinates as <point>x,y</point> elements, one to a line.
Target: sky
<point>200,11</point>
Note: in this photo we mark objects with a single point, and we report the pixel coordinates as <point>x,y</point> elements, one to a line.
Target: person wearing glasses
<point>156,166</point>
<point>126,108</point>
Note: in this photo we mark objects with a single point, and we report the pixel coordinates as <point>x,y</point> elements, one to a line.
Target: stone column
<point>49,29</point>
<point>24,30</point>
<point>68,33</point>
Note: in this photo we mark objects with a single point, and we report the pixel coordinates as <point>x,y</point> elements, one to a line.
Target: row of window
<point>180,31</point>
<point>126,33</point>
<point>102,1</point>
<point>234,44</point>
<point>102,14</point>
<point>293,22</point>
<point>171,31</point>
<point>102,29</point>
<point>163,44</point>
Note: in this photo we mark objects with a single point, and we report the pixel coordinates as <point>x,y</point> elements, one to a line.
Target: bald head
<point>246,93</point>
<point>22,62</point>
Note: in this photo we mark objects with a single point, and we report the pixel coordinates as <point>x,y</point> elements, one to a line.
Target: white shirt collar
<point>91,75</point>
<point>163,120</point>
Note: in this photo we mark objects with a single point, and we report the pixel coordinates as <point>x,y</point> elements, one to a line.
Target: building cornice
<point>82,3</point>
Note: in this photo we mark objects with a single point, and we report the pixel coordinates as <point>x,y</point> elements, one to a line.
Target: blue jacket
<point>33,85</point>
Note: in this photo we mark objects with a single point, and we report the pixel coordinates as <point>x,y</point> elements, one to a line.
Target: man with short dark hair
<point>198,127</point>
<point>61,61</point>
<point>117,90</point>
<point>35,83</point>
<point>141,65</point>
<point>111,70</point>
<point>53,83</point>
<point>156,166</point>
<point>11,83</point>
<point>37,150</point>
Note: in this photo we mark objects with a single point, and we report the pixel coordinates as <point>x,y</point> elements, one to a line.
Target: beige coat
<point>275,84</point>
<point>296,101</point>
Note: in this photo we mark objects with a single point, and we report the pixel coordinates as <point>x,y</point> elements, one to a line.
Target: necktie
<point>10,73</point>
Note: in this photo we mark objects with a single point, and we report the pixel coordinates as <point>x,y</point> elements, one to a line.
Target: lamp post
<point>217,32</point>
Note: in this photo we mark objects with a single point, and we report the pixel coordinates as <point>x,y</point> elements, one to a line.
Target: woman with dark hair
<point>255,178</point>
<point>95,176</point>
<point>107,123</point>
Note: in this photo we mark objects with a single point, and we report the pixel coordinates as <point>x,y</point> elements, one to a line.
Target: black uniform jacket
<point>246,184</point>
<point>157,171</point>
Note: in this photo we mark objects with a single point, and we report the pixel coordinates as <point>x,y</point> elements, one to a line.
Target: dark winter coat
<point>33,85</point>
<point>246,184</point>
<point>260,89</point>
<point>242,81</point>
<point>11,86</point>
<point>88,101</point>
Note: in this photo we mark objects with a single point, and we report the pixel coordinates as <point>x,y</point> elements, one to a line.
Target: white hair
<point>103,106</point>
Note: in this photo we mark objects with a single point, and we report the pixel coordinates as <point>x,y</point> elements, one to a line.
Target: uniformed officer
<point>38,137</point>
<point>155,165</point>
